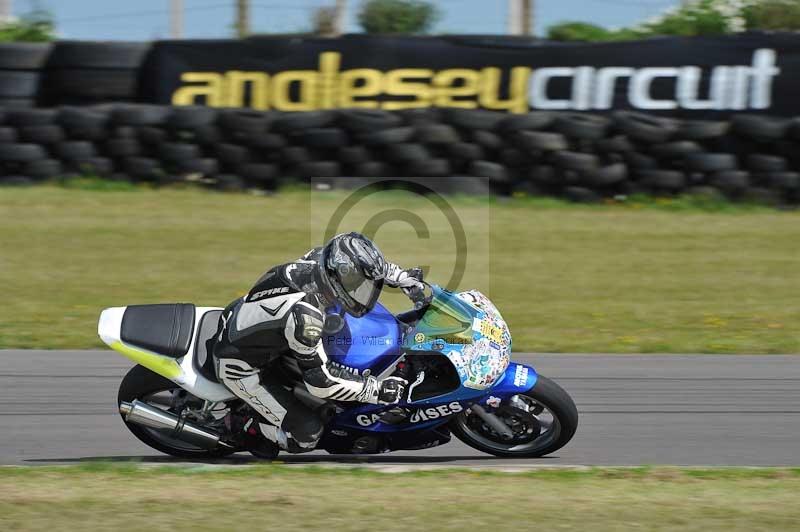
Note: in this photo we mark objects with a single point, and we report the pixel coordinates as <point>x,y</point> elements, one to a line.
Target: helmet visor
<point>357,293</point>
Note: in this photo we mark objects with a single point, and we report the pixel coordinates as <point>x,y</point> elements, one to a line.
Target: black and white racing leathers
<point>283,315</point>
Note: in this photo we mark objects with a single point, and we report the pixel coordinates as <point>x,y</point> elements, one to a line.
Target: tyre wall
<point>583,157</point>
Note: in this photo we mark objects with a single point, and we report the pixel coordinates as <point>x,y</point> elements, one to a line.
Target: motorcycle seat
<point>164,329</point>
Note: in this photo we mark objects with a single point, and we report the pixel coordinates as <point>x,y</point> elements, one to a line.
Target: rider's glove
<point>400,278</point>
<point>392,390</point>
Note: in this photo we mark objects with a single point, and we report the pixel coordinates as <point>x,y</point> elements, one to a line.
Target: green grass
<point>681,275</point>
<point>259,498</point>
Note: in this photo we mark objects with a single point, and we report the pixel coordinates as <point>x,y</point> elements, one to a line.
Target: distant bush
<point>773,15</point>
<point>37,26</point>
<point>397,16</point>
<point>701,17</point>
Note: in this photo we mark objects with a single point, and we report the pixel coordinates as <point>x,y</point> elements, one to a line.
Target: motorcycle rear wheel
<point>535,436</point>
<point>142,384</point>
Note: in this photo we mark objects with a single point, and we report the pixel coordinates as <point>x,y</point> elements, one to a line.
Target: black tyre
<point>569,160</point>
<point>374,169</point>
<point>97,54</point>
<point>22,84</point>
<point>541,141</point>
<point>79,118</point>
<point>89,85</point>
<point>191,117</point>
<point>258,172</point>
<point>139,115</point>
<point>645,128</point>
<point>43,168</point>
<point>437,134</point>
<point>314,169</point>
<point>731,182</point>
<point>429,168</point>
<point>759,127</point>
<point>711,162</point>
<point>354,155</point>
<point>676,149</point>
<point>473,118</point>
<point>30,117</point>
<point>766,163</point>
<point>606,175</point>
<point>582,126</point>
<point>407,152</point>
<point>123,147</point>
<point>548,424</point>
<point>324,137</point>
<point>299,121</point>
<point>466,151</point>
<point>204,166</point>
<point>394,135</point>
<point>242,123</point>
<point>487,139</point>
<point>702,129</point>
<point>176,152</point>
<point>23,56</point>
<point>581,195</point>
<point>21,153</point>
<point>489,170</point>
<point>232,154</point>
<point>142,384</point>
<point>49,134</point>
<point>534,120</point>
<point>8,134</point>
<point>663,180</point>
<point>76,150</point>
<point>616,144</point>
<point>368,120</point>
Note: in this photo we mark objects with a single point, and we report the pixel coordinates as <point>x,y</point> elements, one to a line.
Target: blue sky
<point>147,19</point>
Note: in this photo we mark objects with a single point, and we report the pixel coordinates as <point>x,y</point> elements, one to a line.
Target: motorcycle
<point>454,349</point>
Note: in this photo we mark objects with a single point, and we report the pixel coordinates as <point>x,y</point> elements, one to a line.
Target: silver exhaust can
<point>155,418</point>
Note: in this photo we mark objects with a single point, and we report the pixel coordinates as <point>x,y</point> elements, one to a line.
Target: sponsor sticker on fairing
<point>520,375</point>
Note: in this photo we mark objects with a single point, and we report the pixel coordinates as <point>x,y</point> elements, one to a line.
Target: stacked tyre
<point>21,73</point>
<point>579,156</point>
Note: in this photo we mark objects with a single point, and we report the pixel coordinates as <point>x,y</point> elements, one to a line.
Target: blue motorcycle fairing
<point>371,342</point>
<point>430,413</point>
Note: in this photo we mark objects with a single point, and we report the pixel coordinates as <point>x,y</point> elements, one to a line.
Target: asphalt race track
<point>60,407</point>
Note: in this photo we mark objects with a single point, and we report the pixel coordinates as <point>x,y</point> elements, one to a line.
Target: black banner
<point>678,76</point>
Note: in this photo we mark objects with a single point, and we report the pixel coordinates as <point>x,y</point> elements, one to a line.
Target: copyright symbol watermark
<point>414,221</point>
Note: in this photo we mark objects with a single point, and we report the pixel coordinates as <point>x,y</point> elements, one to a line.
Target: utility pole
<point>520,17</point>
<point>6,10</point>
<point>527,17</point>
<point>176,19</point>
<point>340,16</point>
<point>242,18</point>
<point>513,13</point>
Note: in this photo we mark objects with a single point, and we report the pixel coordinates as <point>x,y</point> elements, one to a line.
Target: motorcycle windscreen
<point>448,317</point>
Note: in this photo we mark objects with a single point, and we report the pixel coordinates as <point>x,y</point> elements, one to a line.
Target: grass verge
<point>639,277</point>
<point>105,497</point>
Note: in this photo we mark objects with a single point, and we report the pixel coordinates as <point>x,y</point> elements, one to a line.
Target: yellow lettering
<point>456,83</point>
<point>304,80</point>
<point>517,101</point>
<point>209,89</point>
<point>329,63</point>
<point>236,83</point>
<point>359,83</point>
<point>395,83</point>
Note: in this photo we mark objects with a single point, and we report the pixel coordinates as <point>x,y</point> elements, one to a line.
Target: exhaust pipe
<point>150,416</point>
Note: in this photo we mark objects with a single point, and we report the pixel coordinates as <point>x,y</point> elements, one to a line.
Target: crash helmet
<point>352,270</point>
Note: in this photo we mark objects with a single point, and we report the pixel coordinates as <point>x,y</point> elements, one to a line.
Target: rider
<point>283,315</point>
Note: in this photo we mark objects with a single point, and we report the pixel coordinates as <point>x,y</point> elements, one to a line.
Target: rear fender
<point>181,371</point>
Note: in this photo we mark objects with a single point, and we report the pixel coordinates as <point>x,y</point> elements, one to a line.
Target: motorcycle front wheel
<point>543,420</point>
